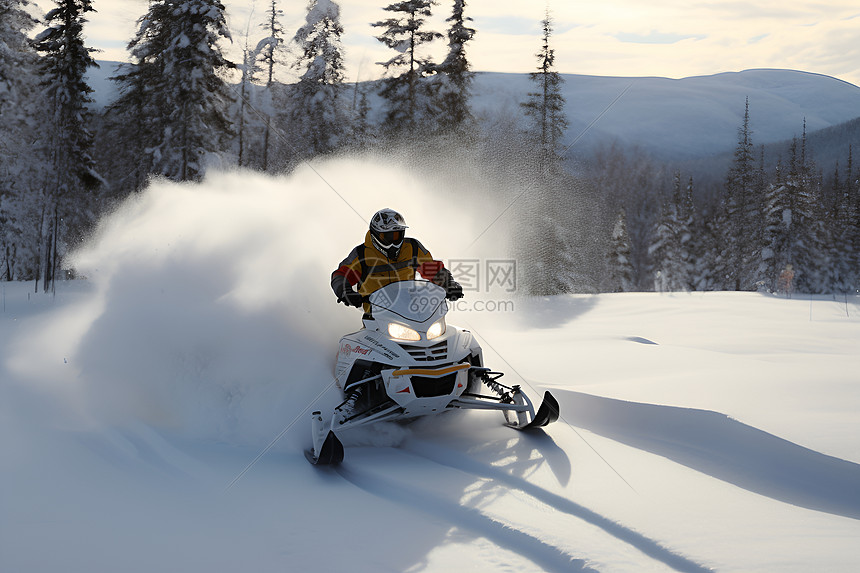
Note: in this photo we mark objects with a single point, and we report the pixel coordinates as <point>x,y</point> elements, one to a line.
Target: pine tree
<point>255,111</point>
<point>452,82</point>
<point>130,126</point>
<point>776,229</point>
<point>742,213</point>
<point>175,77</point>
<point>620,262</point>
<point>709,252</point>
<point>249,69</point>
<point>269,57</point>
<point>852,244</point>
<point>362,131</point>
<point>549,265</point>
<point>839,224</point>
<point>669,249</point>
<point>689,248</point>
<point>545,107</point>
<point>316,115</point>
<point>69,202</point>
<point>809,252</point>
<point>407,98</point>
<point>21,160</point>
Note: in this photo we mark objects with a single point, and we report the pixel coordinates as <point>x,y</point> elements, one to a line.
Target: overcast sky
<point>668,38</point>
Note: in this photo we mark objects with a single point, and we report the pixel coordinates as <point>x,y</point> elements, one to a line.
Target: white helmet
<point>387,230</point>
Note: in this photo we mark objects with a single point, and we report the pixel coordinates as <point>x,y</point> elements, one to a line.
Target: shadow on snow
<point>721,447</point>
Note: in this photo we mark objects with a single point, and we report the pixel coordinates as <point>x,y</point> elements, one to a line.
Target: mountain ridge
<point>683,119</point>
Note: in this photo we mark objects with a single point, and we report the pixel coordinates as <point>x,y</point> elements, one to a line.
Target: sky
<point>628,38</point>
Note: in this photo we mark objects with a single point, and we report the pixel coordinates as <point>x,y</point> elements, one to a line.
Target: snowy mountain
<point>670,119</point>
<point>686,118</point>
<point>152,416</point>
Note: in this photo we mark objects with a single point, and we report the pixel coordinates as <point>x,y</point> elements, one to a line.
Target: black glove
<point>350,298</point>
<point>454,291</point>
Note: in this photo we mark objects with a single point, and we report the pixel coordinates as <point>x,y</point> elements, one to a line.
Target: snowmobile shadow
<point>723,448</point>
<point>468,520</point>
<point>387,475</point>
<point>503,465</point>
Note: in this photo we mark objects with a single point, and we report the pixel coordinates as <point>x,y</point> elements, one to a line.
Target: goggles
<point>391,237</point>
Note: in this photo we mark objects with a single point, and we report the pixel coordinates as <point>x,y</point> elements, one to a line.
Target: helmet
<point>387,228</point>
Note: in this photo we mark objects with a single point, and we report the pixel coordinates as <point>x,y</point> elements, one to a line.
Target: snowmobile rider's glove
<point>453,290</point>
<point>345,293</point>
<point>351,298</point>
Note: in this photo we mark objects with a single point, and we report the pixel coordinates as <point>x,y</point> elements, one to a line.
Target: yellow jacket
<point>371,270</point>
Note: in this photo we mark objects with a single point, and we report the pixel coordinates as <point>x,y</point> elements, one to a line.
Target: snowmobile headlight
<point>401,332</point>
<point>436,330</point>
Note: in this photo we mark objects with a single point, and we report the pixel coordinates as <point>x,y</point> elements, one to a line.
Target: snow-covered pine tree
<point>668,249</point>
<point>687,239</point>
<point>620,276</point>
<point>362,130</point>
<point>176,55</point>
<point>707,266</point>
<point>255,110</point>
<point>316,115</point>
<point>852,189</point>
<point>839,225</point>
<point>21,160</point>
<point>809,253</point>
<point>130,128</point>
<point>249,70</point>
<point>546,253</point>
<point>742,213</point>
<point>724,275</point>
<point>69,197</point>
<point>545,107</point>
<point>776,229</point>
<point>275,39</point>
<point>407,101</point>
<point>452,83</point>
<point>269,56</point>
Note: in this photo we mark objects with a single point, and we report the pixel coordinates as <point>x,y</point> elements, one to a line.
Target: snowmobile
<point>406,362</point>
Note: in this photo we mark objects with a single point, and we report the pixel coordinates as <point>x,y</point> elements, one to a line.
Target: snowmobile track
<point>546,556</point>
<point>456,460</point>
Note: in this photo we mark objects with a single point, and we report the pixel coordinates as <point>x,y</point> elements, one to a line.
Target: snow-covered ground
<point>153,415</point>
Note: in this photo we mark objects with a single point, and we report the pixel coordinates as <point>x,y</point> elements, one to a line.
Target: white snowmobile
<point>407,362</point>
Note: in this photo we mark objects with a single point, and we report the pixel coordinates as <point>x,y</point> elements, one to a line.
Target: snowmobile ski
<point>330,453</point>
<point>546,414</point>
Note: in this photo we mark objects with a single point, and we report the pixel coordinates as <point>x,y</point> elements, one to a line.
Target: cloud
<point>609,38</point>
<point>512,25</point>
<point>655,37</point>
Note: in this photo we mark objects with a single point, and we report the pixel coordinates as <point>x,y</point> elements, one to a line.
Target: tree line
<point>789,229</point>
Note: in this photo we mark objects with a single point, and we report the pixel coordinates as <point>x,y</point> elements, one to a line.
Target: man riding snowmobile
<point>406,361</point>
<point>387,256</point>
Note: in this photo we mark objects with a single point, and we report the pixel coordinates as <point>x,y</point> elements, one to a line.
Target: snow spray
<point>211,313</point>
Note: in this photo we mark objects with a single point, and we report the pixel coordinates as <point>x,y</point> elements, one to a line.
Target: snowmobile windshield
<point>416,301</point>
